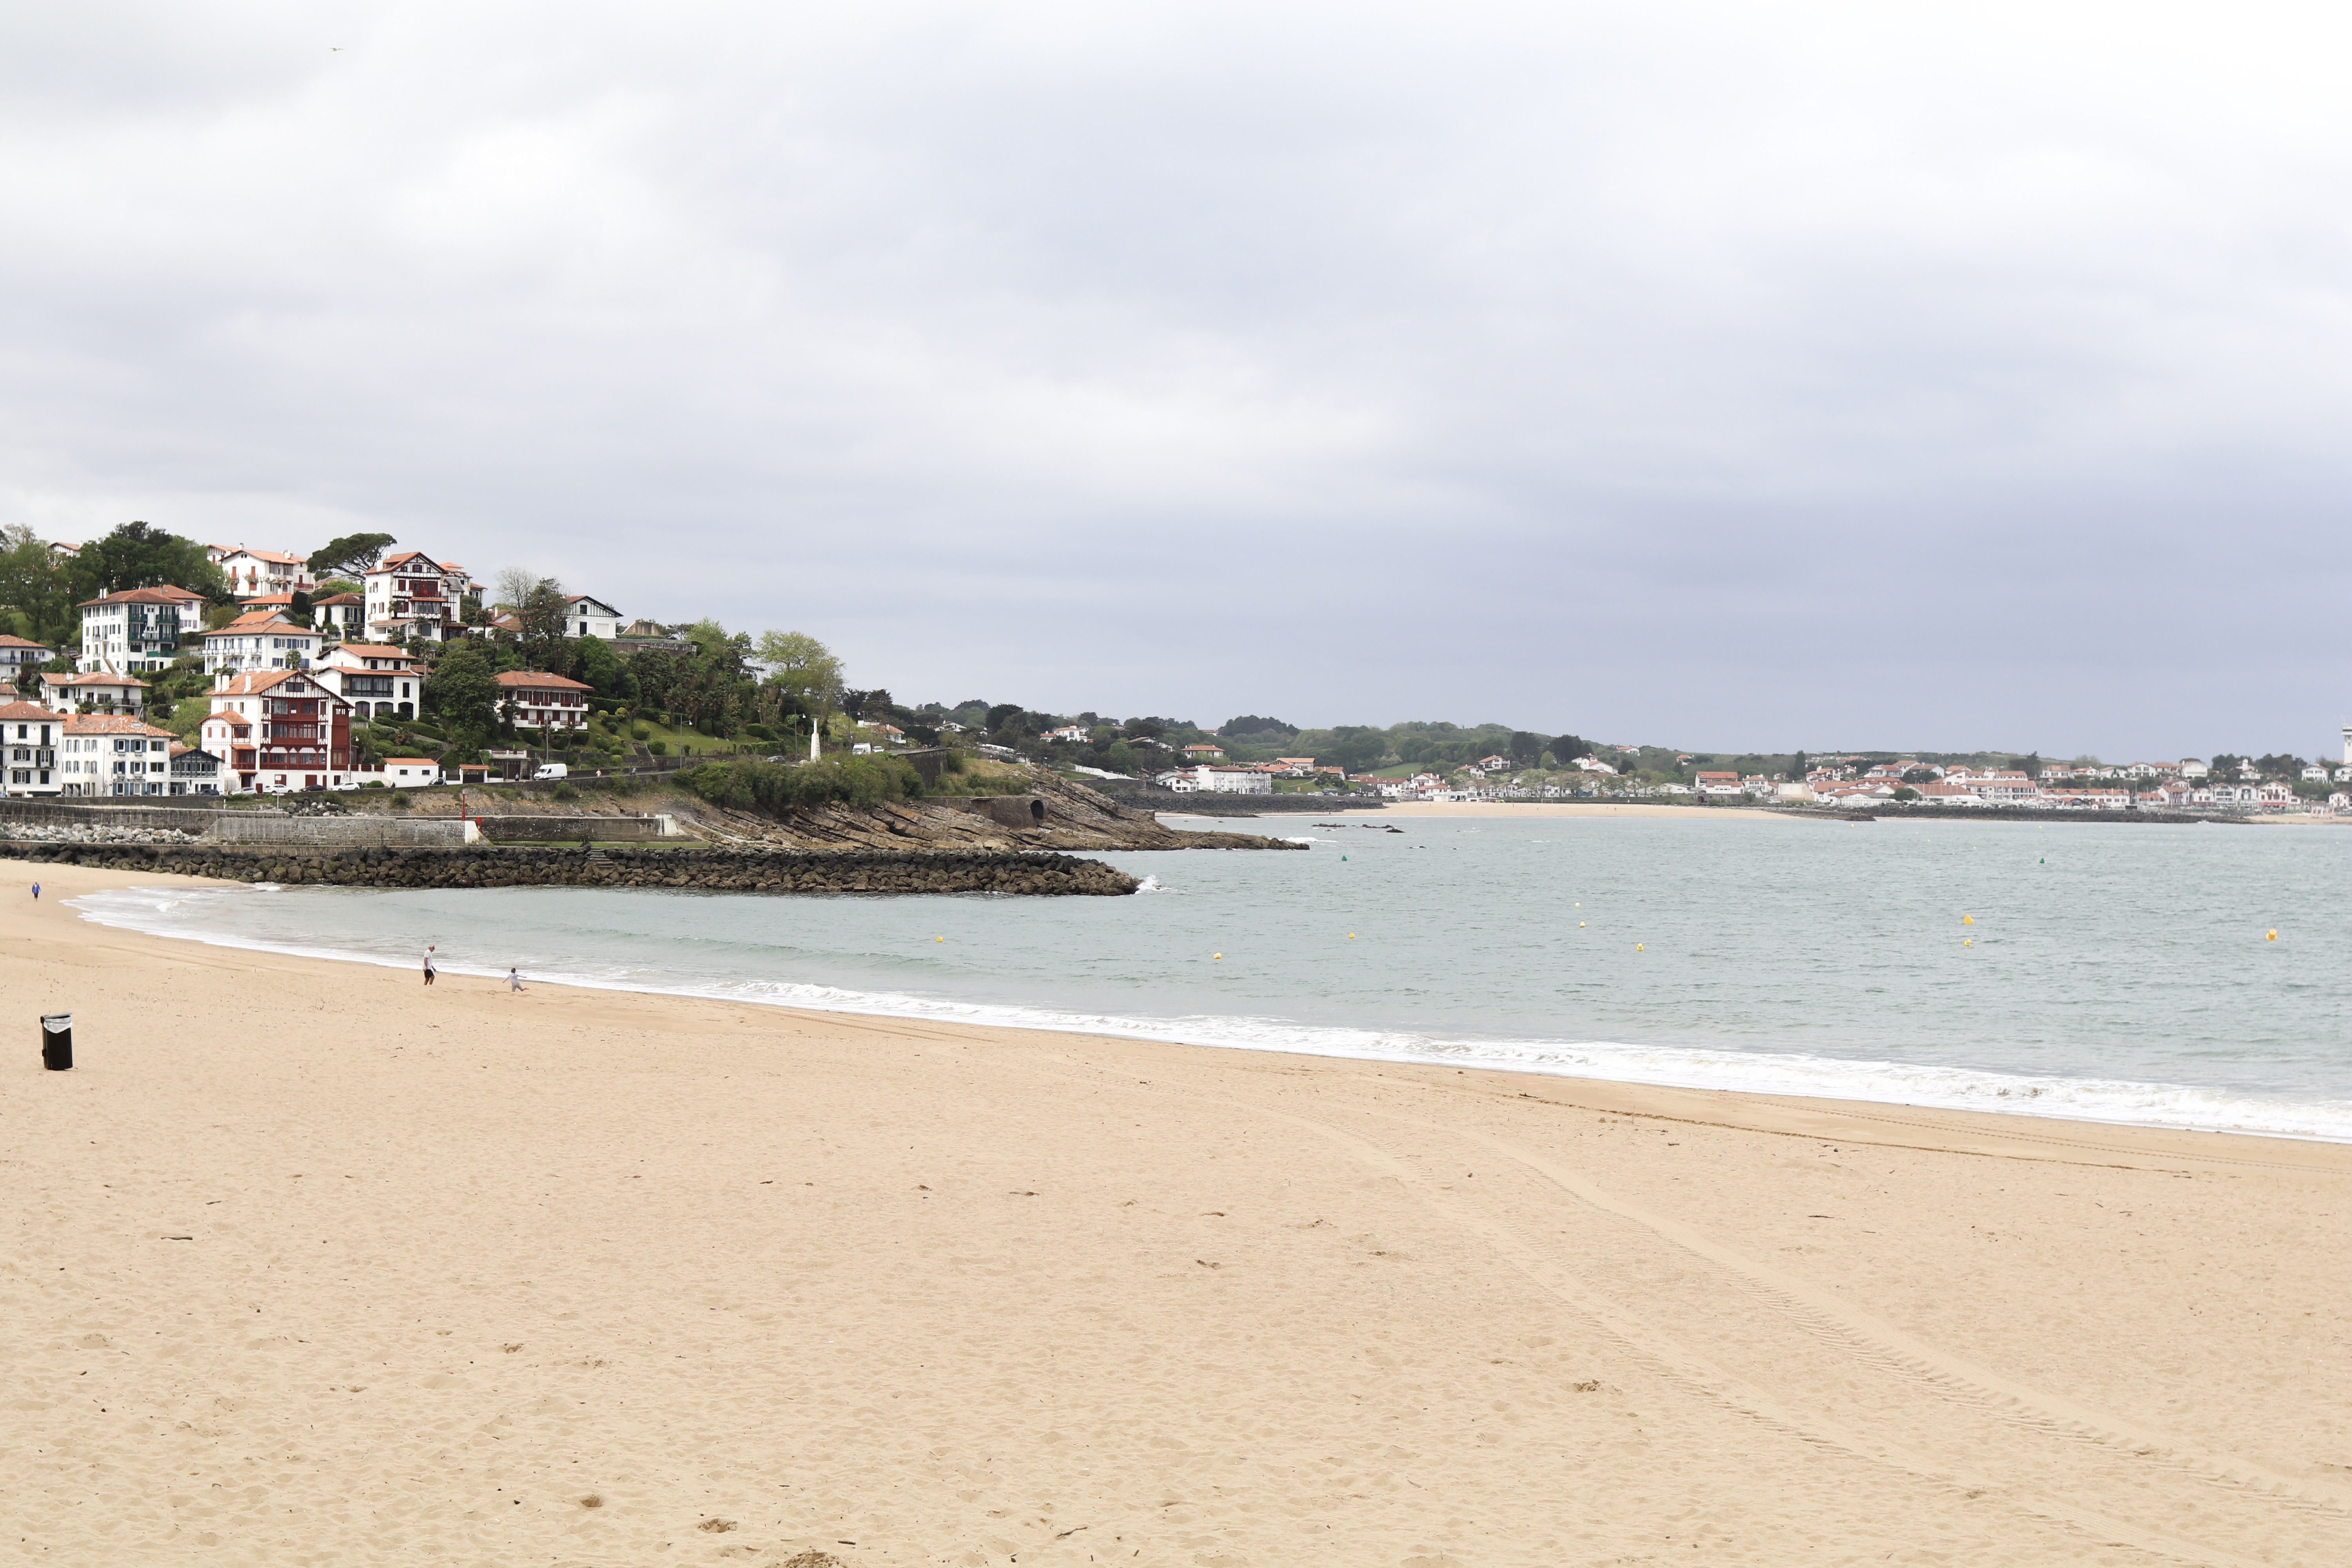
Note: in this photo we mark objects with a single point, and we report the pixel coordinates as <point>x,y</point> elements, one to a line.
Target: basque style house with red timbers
<point>279,730</point>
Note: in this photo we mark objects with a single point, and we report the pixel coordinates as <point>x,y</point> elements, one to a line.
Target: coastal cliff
<point>1055,814</point>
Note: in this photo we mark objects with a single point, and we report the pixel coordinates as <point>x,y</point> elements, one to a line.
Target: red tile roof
<point>99,679</point>
<point>510,678</point>
<point>165,595</point>
<point>109,724</point>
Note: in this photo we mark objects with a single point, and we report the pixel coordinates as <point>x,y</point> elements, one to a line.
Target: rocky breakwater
<point>734,870</point>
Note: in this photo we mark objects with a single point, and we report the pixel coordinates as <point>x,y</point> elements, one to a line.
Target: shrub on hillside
<point>774,787</point>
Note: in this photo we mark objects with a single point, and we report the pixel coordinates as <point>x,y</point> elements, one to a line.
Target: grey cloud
<point>1699,374</point>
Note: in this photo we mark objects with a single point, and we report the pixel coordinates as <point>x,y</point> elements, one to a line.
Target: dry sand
<point>311,1265</point>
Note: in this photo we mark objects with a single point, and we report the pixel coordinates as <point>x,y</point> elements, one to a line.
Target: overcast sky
<point>1723,377</point>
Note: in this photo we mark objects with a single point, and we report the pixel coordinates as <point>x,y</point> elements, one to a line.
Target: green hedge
<point>774,787</point>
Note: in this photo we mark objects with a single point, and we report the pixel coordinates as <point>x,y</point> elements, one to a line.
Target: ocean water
<point>2110,973</point>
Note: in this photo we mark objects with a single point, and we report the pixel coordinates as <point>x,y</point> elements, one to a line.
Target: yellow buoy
<point>1579,925</point>
<point>1968,920</point>
<point>2273,936</point>
<point>1968,941</point>
<point>1216,955</point>
<point>1352,936</point>
<point>1637,947</point>
<point>939,939</point>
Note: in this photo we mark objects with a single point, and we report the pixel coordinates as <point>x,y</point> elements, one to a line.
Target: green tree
<point>598,666</point>
<point>463,690</point>
<point>541,611</point>
<point>1358,748</point>
<point>138,557</point>
<point>801,673</point>
<point>352,555</point>
<point>35,589</point>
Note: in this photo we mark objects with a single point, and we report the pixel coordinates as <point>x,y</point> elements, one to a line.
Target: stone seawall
<point>487,866</point>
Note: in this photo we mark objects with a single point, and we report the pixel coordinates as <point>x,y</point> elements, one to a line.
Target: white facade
<point>587,617</point>
<point>537,701</point>
<point>1233,781</point>
<point>379,681</point>
<point>18,656</point>
<point>413,595</point>
<point>137,630</point>
<point>340,617</point>
<point>117,693</point>
<point>29,750</point>
<point>251,571</point>
<point>259,641</point>
<point>106,754</point>
<point>410,772</point>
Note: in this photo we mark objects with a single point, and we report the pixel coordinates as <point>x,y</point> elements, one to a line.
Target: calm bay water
<point>2111,971</point>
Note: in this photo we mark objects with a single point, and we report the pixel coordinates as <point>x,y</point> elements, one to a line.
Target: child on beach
<point>514,981</point>
<point>428,963</point>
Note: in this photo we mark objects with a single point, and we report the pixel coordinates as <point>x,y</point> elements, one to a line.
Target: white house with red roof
<point>114,754</point>
<point>19,656</point>
<point>251,571</point>
<point>411,595</point>
<point>115,693</point>
<point>378,680</point>
<point>137,631</point>
<point>538,700</point>
<point>29,750</point>
<point>258,639</point>
<point>342,618</point>
<point>279,730</point>
<point>1717,785</point>
<point>410,772</point>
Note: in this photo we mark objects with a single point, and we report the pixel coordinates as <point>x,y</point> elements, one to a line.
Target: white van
<point>552,770</point>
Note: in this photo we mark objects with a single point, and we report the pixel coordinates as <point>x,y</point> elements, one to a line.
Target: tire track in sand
<point>1678,1363</point>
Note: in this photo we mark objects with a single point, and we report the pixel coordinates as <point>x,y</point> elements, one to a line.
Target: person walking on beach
<point>37,893</point>
<point>514,981</point>
<point>428,963</point>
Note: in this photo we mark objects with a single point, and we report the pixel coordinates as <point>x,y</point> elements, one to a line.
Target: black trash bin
<point>57,1041</point>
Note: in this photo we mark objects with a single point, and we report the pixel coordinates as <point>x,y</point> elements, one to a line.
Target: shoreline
<point>1781,1075</point>
<point>1977,1126</point>
<point>376,1272</point>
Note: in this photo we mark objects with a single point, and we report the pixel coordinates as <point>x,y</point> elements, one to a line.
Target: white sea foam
<point>194,913</point>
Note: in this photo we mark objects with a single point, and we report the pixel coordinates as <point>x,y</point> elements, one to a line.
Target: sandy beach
<point>313,1265</point>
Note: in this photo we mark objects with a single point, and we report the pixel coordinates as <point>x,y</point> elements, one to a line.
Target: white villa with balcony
<point>259,640</point>
<point>535,699</point>
<point>379,681</point>
<point>411,595</point>
<point>137,631</point>
<point>251,571</point>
